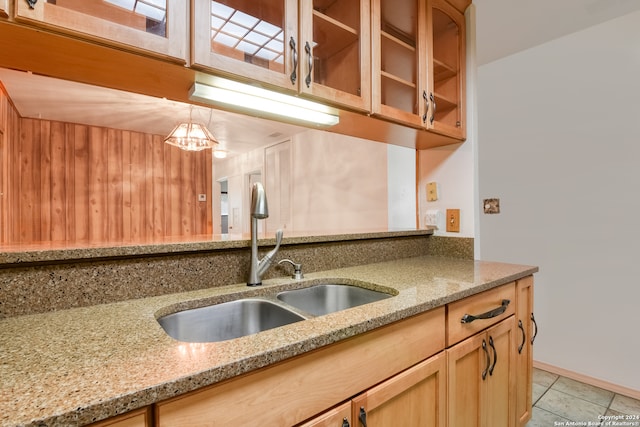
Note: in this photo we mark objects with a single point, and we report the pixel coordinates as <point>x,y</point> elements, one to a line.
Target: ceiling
<point>503,27</point>
<point>53,99</point>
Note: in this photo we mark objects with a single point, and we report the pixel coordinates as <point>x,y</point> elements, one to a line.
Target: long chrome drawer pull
<point>468,318</point>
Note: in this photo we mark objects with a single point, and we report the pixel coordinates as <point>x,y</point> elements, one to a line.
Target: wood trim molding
<point>588,380</point>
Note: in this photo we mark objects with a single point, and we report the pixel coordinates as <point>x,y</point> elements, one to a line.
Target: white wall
<point>401,187</point>
<point>340,183</point>
<point>337,184</point>
<point>559,144</point>
<point>453,167</point>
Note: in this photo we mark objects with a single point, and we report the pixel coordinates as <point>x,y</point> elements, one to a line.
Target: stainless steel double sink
<point>246,316</point>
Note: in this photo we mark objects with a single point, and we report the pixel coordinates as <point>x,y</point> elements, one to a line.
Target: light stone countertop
<point>76,366</point>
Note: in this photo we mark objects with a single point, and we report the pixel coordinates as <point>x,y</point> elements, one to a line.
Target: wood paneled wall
<point>90,185</point>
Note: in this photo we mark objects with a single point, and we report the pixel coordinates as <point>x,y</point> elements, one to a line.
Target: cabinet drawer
<point>477,305</point>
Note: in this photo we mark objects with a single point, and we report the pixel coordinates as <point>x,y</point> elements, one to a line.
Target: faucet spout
<point>259,210</point>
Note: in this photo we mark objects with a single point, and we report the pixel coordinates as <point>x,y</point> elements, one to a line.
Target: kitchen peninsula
<point>80,365</point>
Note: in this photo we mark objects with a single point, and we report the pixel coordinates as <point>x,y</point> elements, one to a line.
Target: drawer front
<point>489,303</point>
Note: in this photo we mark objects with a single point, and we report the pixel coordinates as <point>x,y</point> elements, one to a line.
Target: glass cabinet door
<point>253,39</point>
<point>335,51</point>
<point>156,26</point>
<point>399,77</point>
<point>447,70</point>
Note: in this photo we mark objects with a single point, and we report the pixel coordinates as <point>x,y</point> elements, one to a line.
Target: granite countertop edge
<point>50,253</point>
<point>421,284</point>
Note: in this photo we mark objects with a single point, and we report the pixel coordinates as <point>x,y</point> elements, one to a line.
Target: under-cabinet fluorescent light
<point>228,93</point>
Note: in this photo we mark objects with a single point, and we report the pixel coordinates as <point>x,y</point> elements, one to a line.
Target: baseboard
<point>588,380</point>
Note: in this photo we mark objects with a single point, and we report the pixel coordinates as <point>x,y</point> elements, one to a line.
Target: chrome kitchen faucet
<point>259,210</point>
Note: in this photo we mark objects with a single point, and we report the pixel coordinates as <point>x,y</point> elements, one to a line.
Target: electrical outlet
<point>432,217</point>
<point>453,220</point>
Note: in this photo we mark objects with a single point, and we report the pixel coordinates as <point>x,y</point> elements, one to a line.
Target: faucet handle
<point>297,273</point>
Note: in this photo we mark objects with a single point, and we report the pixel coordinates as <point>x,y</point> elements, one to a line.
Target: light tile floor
<point>558,400</point>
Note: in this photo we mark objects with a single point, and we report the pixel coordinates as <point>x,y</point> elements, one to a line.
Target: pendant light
<point>191,136</point>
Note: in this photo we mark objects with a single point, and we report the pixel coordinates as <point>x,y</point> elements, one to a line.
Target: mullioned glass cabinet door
<point>447,70</point>
<point>399,65</point>
<point>335,52</point>
<point>256,40</point>
<point>157,27</point>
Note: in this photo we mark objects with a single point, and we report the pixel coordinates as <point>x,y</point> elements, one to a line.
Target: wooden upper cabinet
<point>447,73</point>
<point>320,48</point>
<point>398,58</point>
<point>256,40</point>
<point>418,64</point>
<point>158,27</point>
<point>4,8</point>
<point>335,52</point>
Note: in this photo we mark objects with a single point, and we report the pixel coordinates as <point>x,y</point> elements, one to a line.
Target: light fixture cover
<point>262,102</point>
<point>191,137</point>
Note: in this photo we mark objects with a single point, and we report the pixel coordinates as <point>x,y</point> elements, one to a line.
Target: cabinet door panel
<point>414,397</point>
<point>335,57</point>
<point>398,62</point>
<point>447,70</point>
<point>466,363</point>
<point>137,418</point>
<point>247,38</point>
<point>158,27</point>
<point>500,401</point>
<point>524,349</point>
<point>339,416</point>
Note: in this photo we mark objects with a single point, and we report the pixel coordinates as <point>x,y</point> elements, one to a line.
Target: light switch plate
<point>453,220</point>
<point>432,192</point>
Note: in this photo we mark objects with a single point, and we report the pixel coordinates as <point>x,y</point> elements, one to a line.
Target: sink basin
<point>226,321</point>
<point>329,298</point>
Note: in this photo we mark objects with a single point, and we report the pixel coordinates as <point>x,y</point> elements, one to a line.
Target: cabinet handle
<point>468,318</point>
<point>524,337</point>
<point>535,330</point>
<point>345,422</point>
<point>307,48</point>
<point>32,3</point>
<point>486,352</point>
<point>433,112</point>
<point>294,51</point>
<point>495,356</point>
<point>426,106</point>
<point>363,417</point>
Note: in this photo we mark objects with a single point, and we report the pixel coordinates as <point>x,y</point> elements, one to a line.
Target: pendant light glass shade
<point>191,137</point>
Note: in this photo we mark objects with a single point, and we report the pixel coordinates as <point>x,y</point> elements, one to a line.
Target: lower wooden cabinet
<point>414,397</point>
<point>400,374</point>
<point>297,389</point>
<point>526,330</point>
<point>481,378</point>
